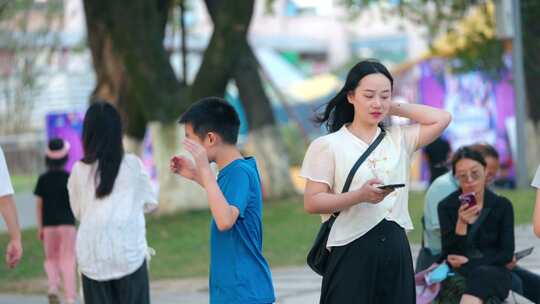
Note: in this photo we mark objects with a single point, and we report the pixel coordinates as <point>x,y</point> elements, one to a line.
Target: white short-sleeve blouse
<point>5,182</point>
<point>330,158</point>
<point>111,239</point>
<point>536,180</point>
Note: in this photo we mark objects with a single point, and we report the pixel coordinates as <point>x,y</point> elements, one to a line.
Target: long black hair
<point>102,143</point>
<point>339,110</point>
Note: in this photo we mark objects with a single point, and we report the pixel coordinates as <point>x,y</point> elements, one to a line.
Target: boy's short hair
<point>213,114</point>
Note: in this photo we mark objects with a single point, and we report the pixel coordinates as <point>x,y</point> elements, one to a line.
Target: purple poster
<point>482,106</point>
<point>67,126</point>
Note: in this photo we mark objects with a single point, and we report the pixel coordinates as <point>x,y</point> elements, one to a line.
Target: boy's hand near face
<point>199,171</point>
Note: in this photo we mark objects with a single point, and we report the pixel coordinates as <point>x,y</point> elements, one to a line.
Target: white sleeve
<point>74,197</point>
<point>319,162</point>
<point>149,197</point>
<point>6,188</point>
<point>410,135</point>
<point>536,180</point>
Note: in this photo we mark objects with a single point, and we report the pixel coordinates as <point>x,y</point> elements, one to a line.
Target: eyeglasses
<point>469,176</point>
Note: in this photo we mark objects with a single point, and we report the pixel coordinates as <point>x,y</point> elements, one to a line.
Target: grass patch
<point>182,240</point>
<point>24,183</point>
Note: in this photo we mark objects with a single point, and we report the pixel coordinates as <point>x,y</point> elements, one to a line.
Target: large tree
<point>134,72</point>
<point>264,139</point>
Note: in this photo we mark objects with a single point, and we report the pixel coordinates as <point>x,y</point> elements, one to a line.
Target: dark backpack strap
<point>361,160</point>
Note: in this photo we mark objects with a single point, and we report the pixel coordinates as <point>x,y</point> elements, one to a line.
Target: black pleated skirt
<point>377,268</point>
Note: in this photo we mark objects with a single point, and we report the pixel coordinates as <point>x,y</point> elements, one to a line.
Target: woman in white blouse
<point>370,259</point>
<point>109,192</point>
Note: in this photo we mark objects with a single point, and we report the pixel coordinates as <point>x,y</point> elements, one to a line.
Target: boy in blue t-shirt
<point>238,271</point>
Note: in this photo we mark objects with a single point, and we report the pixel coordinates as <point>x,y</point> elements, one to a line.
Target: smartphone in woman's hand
<point>468,198</point>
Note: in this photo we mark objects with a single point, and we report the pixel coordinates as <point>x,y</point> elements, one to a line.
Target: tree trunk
<point>264,141</point>
<point>531,42</point>
<point>176,193</point>
<point>264,135</point>
<point>134,73</point>
<point>126,38</point>
<point>231,22</point>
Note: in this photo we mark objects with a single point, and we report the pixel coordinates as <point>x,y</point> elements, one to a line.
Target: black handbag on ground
<point>318,254</point>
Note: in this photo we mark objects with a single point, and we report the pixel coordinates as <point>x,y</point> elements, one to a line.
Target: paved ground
<point>294,285</point>
<point>26,208</point>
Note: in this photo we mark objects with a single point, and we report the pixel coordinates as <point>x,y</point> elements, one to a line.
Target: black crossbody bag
<point>318,254</point>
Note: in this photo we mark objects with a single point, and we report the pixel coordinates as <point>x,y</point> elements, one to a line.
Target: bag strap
<point>359,162</point>
<point>423,231</point>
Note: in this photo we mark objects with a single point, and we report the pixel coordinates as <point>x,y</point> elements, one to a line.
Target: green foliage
<point>438,16</point>
<point>481,53</point>
<point>13,8</point>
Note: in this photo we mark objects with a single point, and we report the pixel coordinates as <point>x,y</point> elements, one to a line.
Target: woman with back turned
<point>109,194</point>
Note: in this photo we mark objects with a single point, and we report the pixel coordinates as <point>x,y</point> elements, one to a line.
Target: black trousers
<point>487,281</point>
<point>376,268</point>
<point>131,289</point>
<point>526,283</point>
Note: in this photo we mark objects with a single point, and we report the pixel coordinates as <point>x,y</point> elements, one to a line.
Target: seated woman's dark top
<point>489,243</point>
<point>489,240</point>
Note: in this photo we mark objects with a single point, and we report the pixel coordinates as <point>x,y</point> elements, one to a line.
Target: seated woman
<point>477,236</point>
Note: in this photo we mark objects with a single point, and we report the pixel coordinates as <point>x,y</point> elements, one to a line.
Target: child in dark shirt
<point>56,224</point>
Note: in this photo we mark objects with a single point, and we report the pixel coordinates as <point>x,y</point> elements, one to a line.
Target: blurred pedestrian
<point>8,210</point>
<point>56,224</point>
<point>437,154</point>
<point>109,192</point>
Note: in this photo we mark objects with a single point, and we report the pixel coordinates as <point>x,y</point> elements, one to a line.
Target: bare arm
<point>200,172</point>
<point>224,214</point>
<point>432,121</point>
<point>318,197</point>
<point>9,213</point>
<point>536,220</point>
<point>39,216</point>
<point>39,211</point>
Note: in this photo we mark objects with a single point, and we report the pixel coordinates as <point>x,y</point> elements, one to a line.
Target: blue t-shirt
<point>238,271</point>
